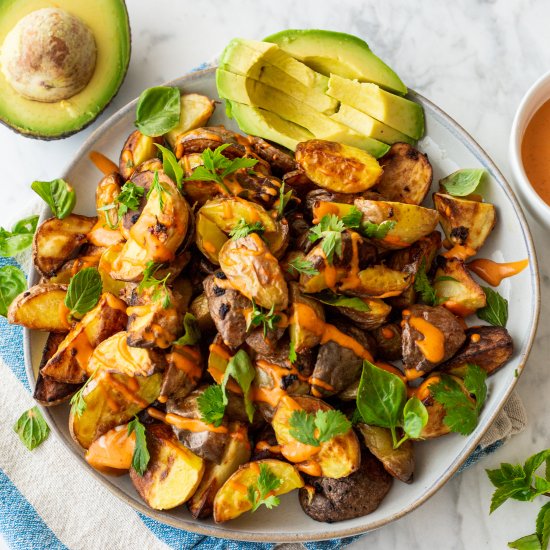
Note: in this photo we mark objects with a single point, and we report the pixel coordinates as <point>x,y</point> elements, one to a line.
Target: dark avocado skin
<point>35,135</point>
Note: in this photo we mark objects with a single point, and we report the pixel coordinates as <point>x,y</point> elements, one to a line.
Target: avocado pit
<point>50,55</point>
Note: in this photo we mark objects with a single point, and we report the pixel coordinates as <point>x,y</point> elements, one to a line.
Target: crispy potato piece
<point>110,400</point>
<point>368,320</point>
<point>137,149</point>
<point>465,223</point>
<point>336,458</point>
<point>70,362</point>
<point>487,347</point>
<point>397,462</point>
<point>199,308</point>
<point>388,341</point>
<point>380,281</point>
<point>423,250</point>
<point>183,372</point>
<point>237,453</point>
<point>300,336</point>
<point>210,137</point>
<point>195,110</point>
<point>232,500</point>
<point>338,167</point>
<point>251,268</point>
<point>89,257</point>
<point>463,296</point>
<point>173,473</point>
<point>42,307</point>
<point>407,175</point>
<point>411,222</point>
<point>280,161</point>
<point>112,452</point>
<point>56,241</point>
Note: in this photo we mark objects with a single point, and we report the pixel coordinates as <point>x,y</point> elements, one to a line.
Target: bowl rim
<point>326,531</point>
<point>534,202</point>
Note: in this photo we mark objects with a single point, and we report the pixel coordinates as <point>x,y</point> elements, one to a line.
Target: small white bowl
<point>535,97</point>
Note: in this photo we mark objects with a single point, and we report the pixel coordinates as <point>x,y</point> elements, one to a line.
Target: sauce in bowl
<point>535,152</point>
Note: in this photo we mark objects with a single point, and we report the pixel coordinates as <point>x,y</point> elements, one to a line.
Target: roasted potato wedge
<point>407,175</point>
<point>183,372</point>
<point>112,452</point>
<point>441,332</point>
<point>368,320</point>
<point>232,500</point>
<point>410,259</point>
<point>280,161</point>
<point>89,256</point>
<point>356,495</point>
<point>487,347</point>
<point>211,137</point>
<point>195,110</point>
<point>199,308</point>
<point>388,341</point>
<point>56,241</point>
<point>454,284</point>
<point>380,281</point>
<point>237,453</point>
<point>111,400</point>
<point>42,307</point>
<point>250,267</point>
<point>173,473</point>
<point>397,462</point>
<point>137,149</point>
<point>336,458</point>
<point>302,310</point>
<point>466,223</point>
<point>338,167</point>
<point>411,222</point>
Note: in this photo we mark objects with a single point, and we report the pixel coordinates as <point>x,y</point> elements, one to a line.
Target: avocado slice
<point>252,59</point>
<point>395,111</point>
<point>329,52</point>
<point>259,122</point>
<point>107,20</point>
<point>257,94</point>
<point>365,124</point>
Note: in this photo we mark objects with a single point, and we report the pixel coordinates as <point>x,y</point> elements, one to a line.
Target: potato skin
<point>137,149</point>
<point>349,497</point>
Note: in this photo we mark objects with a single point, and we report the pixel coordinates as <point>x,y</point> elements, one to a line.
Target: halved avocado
<point>56,107</point>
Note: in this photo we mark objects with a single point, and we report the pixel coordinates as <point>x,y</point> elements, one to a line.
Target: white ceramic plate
<point>449,147</point>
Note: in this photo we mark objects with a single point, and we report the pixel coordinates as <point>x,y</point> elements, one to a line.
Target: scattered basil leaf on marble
<point>158,110</point>
<point>19,238</point>
<point>170,165</point>
<point>141,456</point>
<point>57,194</point>
<point>462,182</point>
<point>496,311</point>
<point>31,428</point>
<point>12,283</point>
<point>83,291</point>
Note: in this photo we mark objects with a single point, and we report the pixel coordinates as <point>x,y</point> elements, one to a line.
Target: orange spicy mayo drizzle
<point>322,208</point>
<point>190,424</point>
<point>102,163</point>
<point>493,272</point>
<point>433,344</point>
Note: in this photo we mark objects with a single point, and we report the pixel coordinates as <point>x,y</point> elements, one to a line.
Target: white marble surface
<point>475,59</point>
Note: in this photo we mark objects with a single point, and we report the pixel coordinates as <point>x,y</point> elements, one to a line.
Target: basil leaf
<point>57,194</point>
<point>496,310</point>
<point>529,542</point>
<point>415,417</point>
<point>170,165</point>
<point>342,301</point>
<point>12,283</point>
<point>462,182</point>
<point>191,333</point>
<point>241,369</point>
<point>543,525</point>
<point>31,428</point>
<point>158,110</point>
<point>83,292</point>
<point>19,238</point>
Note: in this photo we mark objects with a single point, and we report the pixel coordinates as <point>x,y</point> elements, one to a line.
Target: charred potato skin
<point>280,161</point>
<point>137,149</point>
<point>211,137</point>
<point>407,175</point>
<point>388,341</point>
<point>490,352</point>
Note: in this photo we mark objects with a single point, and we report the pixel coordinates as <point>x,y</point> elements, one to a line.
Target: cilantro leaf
<point>83,292</point>
<point>128,199</point>
<point>423,286</point>
<point>57,194</point>
<point>170,165</point>
<point>19,238</point>
<point>158,110</point>
<point>462,182</point>
<point>141,457</point>
<point>77,402</point>
<point>12,283</point>
<point>319,428</point>
<point>329,229</point>
<point>300,265</point>
<point>160,290</point>
<point>284,199</point>
<point>267,483</point>
<point>243,229</point>
<point>475,384</point>
<point>376,230</point>
<point>240,368</point>
<point>302,427</point>
<point>211,407</point>
<point>259,317</point>
<point>342,301</point>
<point>31,428</point>
<point>292,357</point>
<point>496,310</point>
<point>352,219</point>
<point>192,333</point>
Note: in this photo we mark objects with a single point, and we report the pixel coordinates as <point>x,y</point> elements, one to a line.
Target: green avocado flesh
<point>247,91</point>
<point>397,112</point>
<point>108,21</point>
<point>330,52</point>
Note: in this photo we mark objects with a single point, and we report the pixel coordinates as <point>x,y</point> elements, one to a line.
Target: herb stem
<point>394,437</point>
<point>402,440</point>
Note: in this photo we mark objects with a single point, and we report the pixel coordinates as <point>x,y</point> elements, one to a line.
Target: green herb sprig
<point>19,238</point>
<point>83,292</point>
<point>12,283</point>
<point>158,110</point>
<point>462,182</point>
<point>57,194</point>
<point>299,264</point>
<point>314,429</point>
<point>329,229</point>
<point>191,331</point>
<point>31,428</point>
<point>141,456</point>
<point>259,317</point>
<point>128,199</point>
<point>259,493</point>
<point>496,311</point>
<point>243,229</point>
<point>170,165</point>
<point>160,290</point>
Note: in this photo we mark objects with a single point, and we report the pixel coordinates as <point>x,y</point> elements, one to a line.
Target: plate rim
<point>327,531</point>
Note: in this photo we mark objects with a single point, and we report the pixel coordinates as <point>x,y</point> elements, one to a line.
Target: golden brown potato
<point>410,259</point>
<point>211,137</point>
<point>237,453</point>
<point>56,241</point>
<point>195,110</point>
<point>388,341</point>
<point>184,366</point>
<point>253,270</point>
<point>338,167</point>
<point>407,175</point>
<point>465,223</point>
<point>368,320</point>
<point>232,499</point>
<point>88,257</point>
<point>380,281</point>
<point>42,307</point>
<point>301,337</point>
<point>411,222</point>
<point>454,284</point>
<point>199,308</point>
<point>111,400</point>
<point>338,457</point>
<point>112,452</point>
<point>173,473</point>
<point>137,149</point>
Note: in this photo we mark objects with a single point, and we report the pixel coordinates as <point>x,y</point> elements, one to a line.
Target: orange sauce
<point>493,272</point>
<point>190,424</point>
<point>460,252</point>
<point>310,467</point>
<point>387,333</point>
<point>432,345</point>
<point>322,208</point>
<point>535,151</point>
<point>113,449</point>
<point>265,446</point>
<point>475,338</point>
<point>102,163</point>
